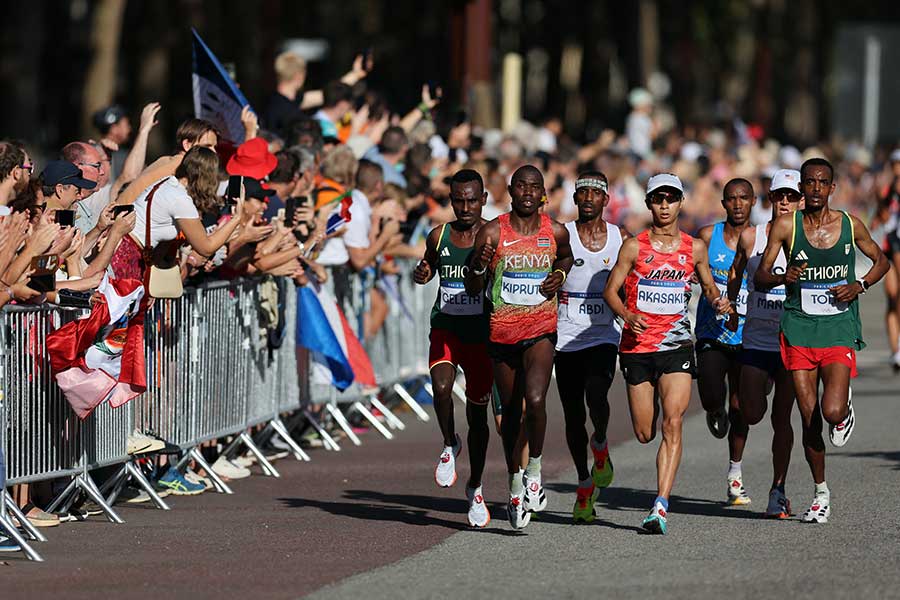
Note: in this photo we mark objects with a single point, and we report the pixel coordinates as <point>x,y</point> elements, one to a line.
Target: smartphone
<point>73,298</point>
<point>234,188</point>
<point>65,218</point>
<point>290,207</point>
<point>43,278</point>
<point>122,209</point>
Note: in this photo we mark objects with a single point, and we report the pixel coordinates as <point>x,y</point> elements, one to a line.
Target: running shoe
<point>535,498</point>
<point>656,520</point>
<point>515,510</point>
<point>479,515</point>
<point>602,471</point>
<point>840,433</point>
<point>819,510</point>
<point>226,468</point>
<point>7,544</point>
<point>717,423</point>
<point>445,472</point>
<point>177,485</point>
<point>583,511</point>
<point>779,506</point>
<point>737,496</point>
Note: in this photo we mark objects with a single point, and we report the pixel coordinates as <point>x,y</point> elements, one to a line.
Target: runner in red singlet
<point>656,353</point>
<point>522,272</point>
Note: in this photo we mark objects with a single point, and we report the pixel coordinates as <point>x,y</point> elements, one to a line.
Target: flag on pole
<point>216,97</point>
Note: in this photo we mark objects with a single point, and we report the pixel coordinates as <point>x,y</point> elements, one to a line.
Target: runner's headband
<point>591,182</point>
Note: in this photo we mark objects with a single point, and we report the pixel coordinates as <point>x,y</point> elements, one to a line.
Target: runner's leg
<point>783,440</point>
<point>511,387</point>
<point>738,430</point>
<point>836,381</point>
<point>892,314</point>
<point>712,369</point>
<point>442,377</point>
<point>537,363</point>
<point>478,438</point>
<point>598,381</point>
<point>675,395</point>
<point>806,388</point>
<point>570,381</point>
<point>752,396</point>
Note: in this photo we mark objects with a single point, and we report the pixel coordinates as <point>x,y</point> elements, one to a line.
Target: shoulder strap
<point>441,237</point>
<point>852,229</point>
<point>147,215</point>
<point>793,232</point>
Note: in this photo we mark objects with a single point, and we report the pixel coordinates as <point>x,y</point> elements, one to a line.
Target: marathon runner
<point>527,256</point>
<point>761,357</point>
<point>588,341</point>
<point>718,347</point>
<point>459,330</point>
<point>820,328</point>
<point>656,354</point>
<point>887,218</point>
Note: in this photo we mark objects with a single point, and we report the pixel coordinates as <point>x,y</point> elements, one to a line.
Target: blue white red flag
<point>216,97</point>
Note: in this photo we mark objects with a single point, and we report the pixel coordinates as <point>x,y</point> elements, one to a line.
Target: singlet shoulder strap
<point>793,232</point>
<point>852,229</point>
<point>441,238</point>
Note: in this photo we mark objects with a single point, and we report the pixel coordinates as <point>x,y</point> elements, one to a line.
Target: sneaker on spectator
<point>246,461</point>
<point>226,468</point>
<point>7,544</point>
<point>311,440</point>
<point>38,517</point>
<point>133,496</point>
<point>274,453</point>
<point>195,478</point>
<point>73,514</point>
<point>138,443</point>
<point>168,447</point>
<point>279,444</point>
<point>175,482</point>
<point>91,508</point>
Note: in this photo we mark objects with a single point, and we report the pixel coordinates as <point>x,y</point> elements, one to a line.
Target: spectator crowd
<point>336,184</point>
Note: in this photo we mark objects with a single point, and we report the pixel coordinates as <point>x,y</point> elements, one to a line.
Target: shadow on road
<point>633,500</point>
<point>410,509</point>
<point>889,455</point>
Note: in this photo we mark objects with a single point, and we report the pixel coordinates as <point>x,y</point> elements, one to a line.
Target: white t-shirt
<point>171,202</point>
<point>356,234</point>
<point>87,211</point>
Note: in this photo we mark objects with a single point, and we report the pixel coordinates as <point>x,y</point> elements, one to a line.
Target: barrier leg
<point>282,431</point>
<point>405,396</point>
<point>137,476</point>
<point>429,389</point>
<point>64,501</point>
<point>343,423</point>
<point>393,420</point>
<point>19,516</point>
<point>329,442</point>
<point>20,540</point>
<point>217,481</point>
<point>264,463</point>
<point>371,419</point>
<point>459,392</point>
<point>88,486</point>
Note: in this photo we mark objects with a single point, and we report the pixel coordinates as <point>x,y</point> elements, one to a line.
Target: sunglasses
<point>29,168</point>
<point>96,165</point>
<point>660,197</point>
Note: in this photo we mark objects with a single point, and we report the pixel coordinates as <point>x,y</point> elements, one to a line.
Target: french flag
<point>323,329</point>
<point>340,217</point>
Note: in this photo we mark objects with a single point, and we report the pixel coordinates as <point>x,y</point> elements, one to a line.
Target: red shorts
<point>473,358</point>
<point>801,358</point>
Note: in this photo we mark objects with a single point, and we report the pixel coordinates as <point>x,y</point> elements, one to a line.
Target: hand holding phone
<point>65,218</point>
<point>122,209</point>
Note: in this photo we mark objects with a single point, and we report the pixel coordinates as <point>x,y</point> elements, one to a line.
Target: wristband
<point>479,272</point>
<point>564,274</point>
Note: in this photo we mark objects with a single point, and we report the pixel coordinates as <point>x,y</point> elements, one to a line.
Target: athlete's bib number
<point>588,308</point>
<point>455,301</point>
<point>523,289</point>
<point>815,299</point>
<point>660,297</point>
<point>741,304</point>
<point>767,306</point>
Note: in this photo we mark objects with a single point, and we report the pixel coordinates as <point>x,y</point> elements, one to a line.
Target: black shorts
<point>640,367</point>
<point>704,345</point>
<point>596,361</point>
<point>511,354</point>
<point>765,360</point>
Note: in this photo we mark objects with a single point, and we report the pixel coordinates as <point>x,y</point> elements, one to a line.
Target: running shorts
<point>640,367</point>
<point>764,360</point>
<point>594,361</point>
<point>511,354</point>
<point>801,358</point>
<point>476,364</point>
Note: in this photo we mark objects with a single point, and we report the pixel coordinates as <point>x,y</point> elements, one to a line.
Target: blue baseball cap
<point>64,172</point>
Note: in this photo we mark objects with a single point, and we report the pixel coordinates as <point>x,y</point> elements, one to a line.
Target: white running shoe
<point>515,510</point>
<point>656,522</point>
<point>479,515</point>
<point>840,433</point>
<point>819,511</point>
<point>779,506</point>
<point>737,496</point>
<point>535,498</point>
<point>445,472</point>
<point>225,468</point>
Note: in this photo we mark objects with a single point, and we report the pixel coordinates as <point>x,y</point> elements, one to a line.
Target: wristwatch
<point>864,285</point>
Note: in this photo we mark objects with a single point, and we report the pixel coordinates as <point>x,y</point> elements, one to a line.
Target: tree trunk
<point>100,82</point>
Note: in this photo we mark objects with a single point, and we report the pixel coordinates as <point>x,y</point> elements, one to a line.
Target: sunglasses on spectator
<point>28,167</point>
<point>96,165</point>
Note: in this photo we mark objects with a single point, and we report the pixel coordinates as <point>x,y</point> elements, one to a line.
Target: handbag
<point>162,274</point>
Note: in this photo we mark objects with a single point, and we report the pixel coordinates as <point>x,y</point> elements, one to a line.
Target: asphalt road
<point>369,522</point>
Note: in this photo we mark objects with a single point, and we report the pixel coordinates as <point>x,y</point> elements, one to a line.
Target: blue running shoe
<point>656,520</point>
<point>7,544</point>
<point>177,485</point>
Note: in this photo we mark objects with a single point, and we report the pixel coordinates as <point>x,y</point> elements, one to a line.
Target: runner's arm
<point>736,273</point>
<point>561,265</point>
<point>880,264</point>
<point>778,236</point>
<point>701,268</point>
<point>480,258</point>
<point>624,265</point>
<point>427,267</point>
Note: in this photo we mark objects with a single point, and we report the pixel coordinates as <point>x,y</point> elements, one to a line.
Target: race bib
<point>741,303</point>
<point>816,300</point>
<point>523,289</point>
<point>660,297</point>
<point>767,306</point>
<point>455,301</point>
<point>588,308</point>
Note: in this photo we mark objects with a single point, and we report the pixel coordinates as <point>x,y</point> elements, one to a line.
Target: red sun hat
<point>252,159</point>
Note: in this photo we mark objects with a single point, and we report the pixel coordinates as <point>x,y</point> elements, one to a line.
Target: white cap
<point>790,157</point>
<point>640,97</point>
<point>895,155</point>
<point>786,179</point>
<point>664,180</point>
